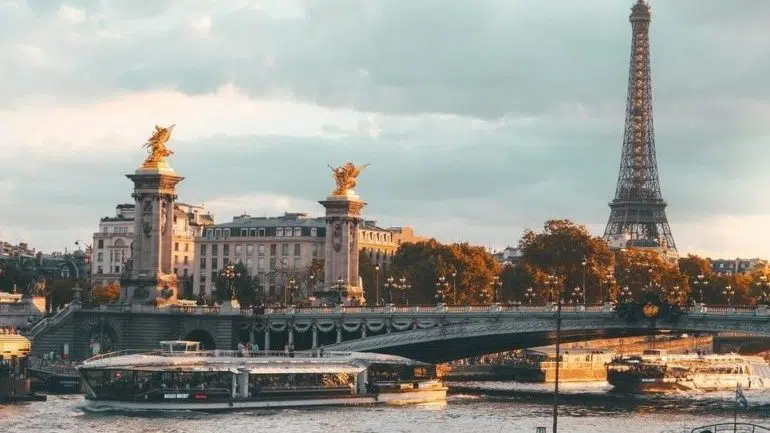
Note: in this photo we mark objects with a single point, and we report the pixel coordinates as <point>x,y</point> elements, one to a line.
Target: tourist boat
<point>180,376</point>
<point>14,355</point>
<point>657,371</point>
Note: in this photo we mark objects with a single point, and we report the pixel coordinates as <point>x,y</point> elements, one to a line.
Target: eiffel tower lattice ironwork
<point>637,213</point>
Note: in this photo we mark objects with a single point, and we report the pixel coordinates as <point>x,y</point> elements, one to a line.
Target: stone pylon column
<point>343,215</point>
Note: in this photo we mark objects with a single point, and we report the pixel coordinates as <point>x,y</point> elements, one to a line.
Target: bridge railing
<point>302,354</point>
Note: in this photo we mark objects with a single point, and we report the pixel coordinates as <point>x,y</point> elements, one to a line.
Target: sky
<point>480,118</point>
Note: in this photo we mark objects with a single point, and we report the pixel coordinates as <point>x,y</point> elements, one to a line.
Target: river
<point>481,407</point>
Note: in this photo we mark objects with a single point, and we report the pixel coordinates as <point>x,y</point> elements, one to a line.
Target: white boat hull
<point>385,398</point>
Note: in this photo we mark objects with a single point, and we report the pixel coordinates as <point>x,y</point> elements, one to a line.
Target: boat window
<point>155,385</point>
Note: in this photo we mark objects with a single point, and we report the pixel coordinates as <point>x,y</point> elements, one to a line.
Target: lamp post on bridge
<point>729,293</point>
<point>584,263</point>
<point>764,286</point>
<point>701,283</point>
<point>608,279</point>
<point>676,294</point>
<point>579,294</point>
<point>529,295</point>
<point>496,284</point>
<point>229,274</point>
<point>377,284</point>
<point>626,294</point>
<point>441,288</point>
<point>390,285</point>
<point>454,287</point>
<point>293,286</point>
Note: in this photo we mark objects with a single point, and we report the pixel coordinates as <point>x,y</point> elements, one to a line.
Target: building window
<point>215,250</point>
<point>227,233</point>
<point>272,263</point>
<point>176,271</point>
<point>249,250</point>
<point>203,250</point>
<point>225,262</point>
<point>214,263</point>
<point>253,232</point>
<point>203,279</point>
<point>262,233</point>
<point>297,231</point>
<point>261,263</point>
<point>279,232</point>
<point>117,269</point>
<point>186,261</point>
<point>99,270</point>
<point>184,272</point>
<point>214,275</point>
<point>100,244</point>
<point>99,257</point>
<point>287,232</point>
<point>186,247</point>
<point>176,259</point>
<point>226,250</point>
<point>249,263</point>
<point>297,262</point>
<point>313,231</point>
<point>284,249</point>
<point>244,232</point>
<point>209,233</point>
<point>273,249</point>
<point>296,249</point>
<point>217,233</point>
<point>261,249</point>
<point>315,250</point>
<point>238,250</point>
<point>176,246</point>
<point>203,263</point>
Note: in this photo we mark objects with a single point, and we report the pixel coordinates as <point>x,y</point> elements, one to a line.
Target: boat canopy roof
<point>264,362</point>
<point>13,345</point>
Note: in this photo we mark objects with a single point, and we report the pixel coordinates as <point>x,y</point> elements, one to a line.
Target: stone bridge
<point>429,333</point>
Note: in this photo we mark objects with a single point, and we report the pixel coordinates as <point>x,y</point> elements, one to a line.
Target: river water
<point>478,407</point>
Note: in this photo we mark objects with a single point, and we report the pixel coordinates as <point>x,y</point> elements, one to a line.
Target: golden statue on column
<point>156,146</point>
<point>345,176</point>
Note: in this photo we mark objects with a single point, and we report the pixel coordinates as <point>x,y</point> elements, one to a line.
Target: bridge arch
<point>204,337</point>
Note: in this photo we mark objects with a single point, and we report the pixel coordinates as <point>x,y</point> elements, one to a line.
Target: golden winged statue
<point>156,146</point>
<point>345,176</point>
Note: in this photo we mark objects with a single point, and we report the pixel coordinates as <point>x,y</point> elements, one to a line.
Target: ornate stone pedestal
<point>341,279</point>
<point>150,279</point>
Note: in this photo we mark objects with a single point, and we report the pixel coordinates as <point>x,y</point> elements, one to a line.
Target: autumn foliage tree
<point>569,252</point>
<point>423,263</point>
<point>105,294</point>
<point>643,271</point>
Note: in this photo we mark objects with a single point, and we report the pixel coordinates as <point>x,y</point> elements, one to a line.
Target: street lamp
<point>676,294</point>
<point>551,282</point>
<point>578,294</point>
<point>764,286</point>
<point>339,287</point>
<point>454,287</point>
<point>229,274</point>
<point>377,283</point>
<point>496,284</point>
<point>292,287</point>
<point>529,295</point>
<point>441,288</point>
<point>390,285</point>
<point>608,279</point>
<point>701,283</point>
<point>584,263</point>
<point>626,294</point>
<point>729,293</point>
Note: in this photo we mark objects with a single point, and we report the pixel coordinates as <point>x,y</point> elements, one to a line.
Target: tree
<point>645,271</point>
<point>13,274</point>
<point>569,252</point>
<point>244,286</point>
<point>517,279</point>
<point>59,292</point>
<point>107,294</point>
<point>692,266</point>
<point>423,263</point>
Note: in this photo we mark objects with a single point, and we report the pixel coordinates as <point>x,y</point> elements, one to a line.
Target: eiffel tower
<point>637,213</point>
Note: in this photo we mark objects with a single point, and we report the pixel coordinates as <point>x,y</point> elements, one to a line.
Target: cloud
<point>479,119</point>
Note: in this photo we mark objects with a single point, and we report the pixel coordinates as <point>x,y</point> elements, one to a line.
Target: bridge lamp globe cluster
<point>293,286</point>
<point>701,283</point>
<point>551,286</point>
<point>229,274</point>
<point>729,293</point>
<point>529,295</point>
<point>496,284</point>
<point>339,287</point>
<point>578,295</point>
<point>676,294</point>
<point>626,294</point>
<point>442,285</point>
<point>763,285</point>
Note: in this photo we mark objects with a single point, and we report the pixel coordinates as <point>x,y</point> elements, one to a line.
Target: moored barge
<point>180,376</point>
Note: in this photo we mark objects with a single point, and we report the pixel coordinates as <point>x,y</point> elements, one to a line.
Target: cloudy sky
<point>480,118</point>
